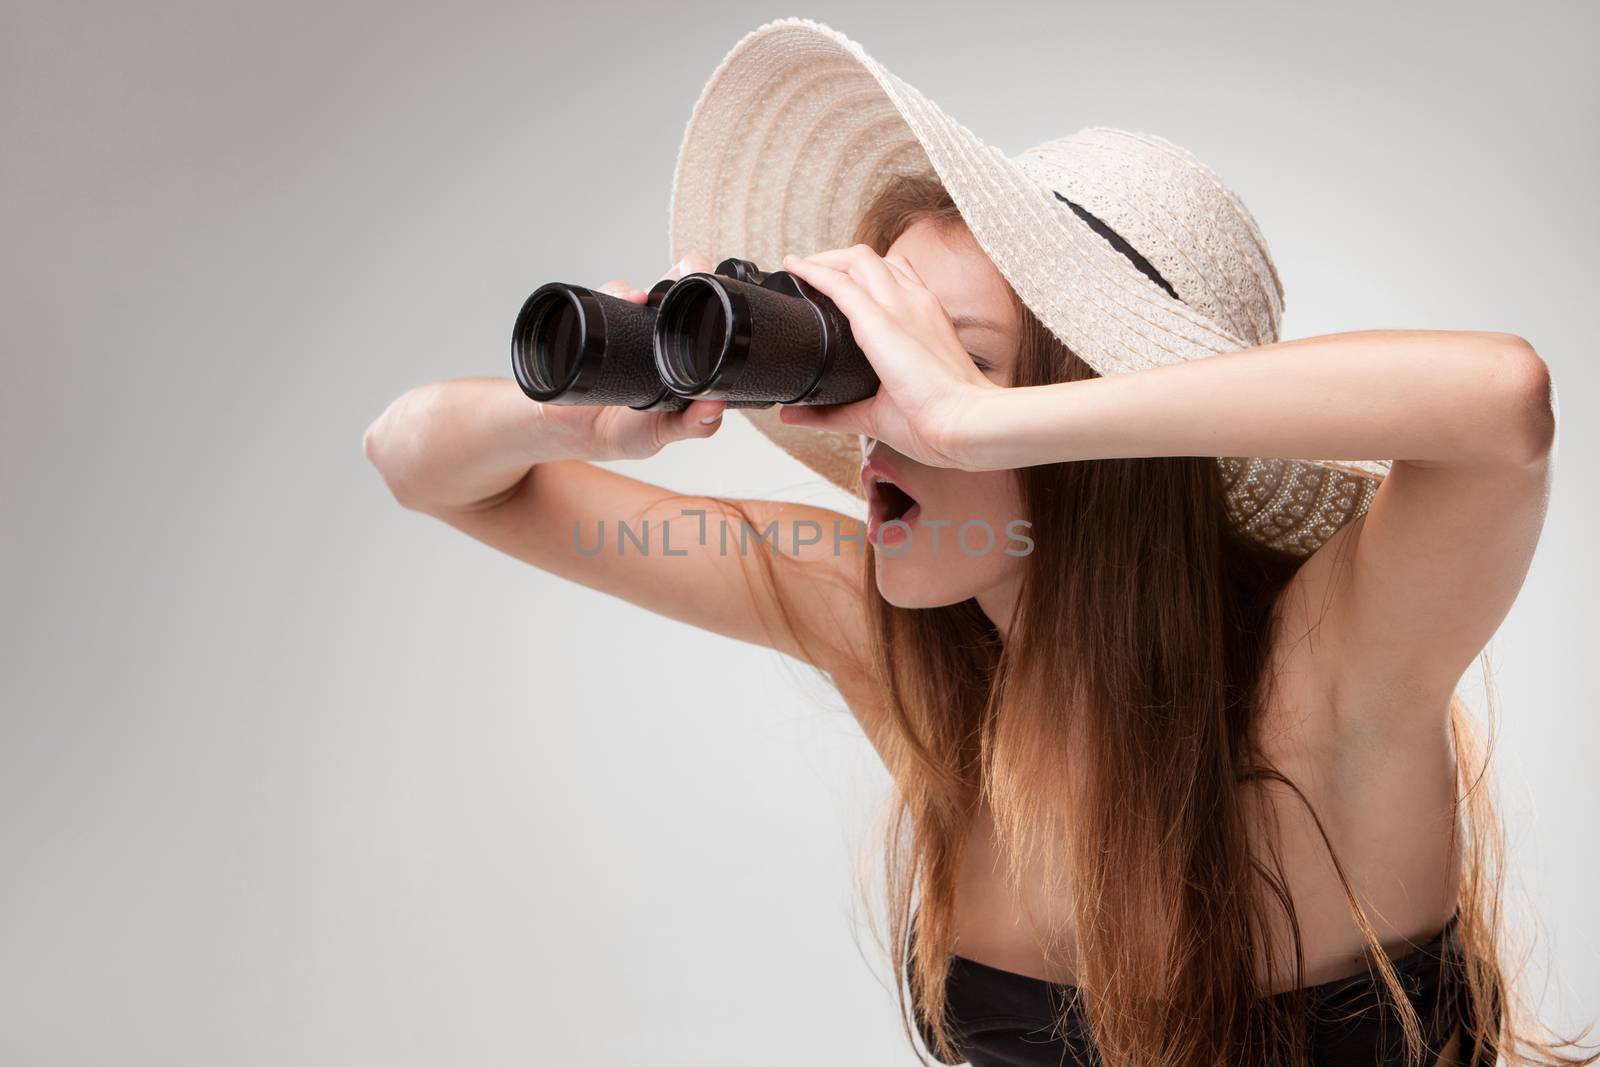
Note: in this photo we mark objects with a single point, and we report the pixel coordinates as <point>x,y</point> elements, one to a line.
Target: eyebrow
<point>963,322</point>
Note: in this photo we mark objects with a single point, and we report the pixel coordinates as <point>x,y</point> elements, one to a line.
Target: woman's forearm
<point>469,442</point>
<point>1429,396</point>
<point>457,443</point>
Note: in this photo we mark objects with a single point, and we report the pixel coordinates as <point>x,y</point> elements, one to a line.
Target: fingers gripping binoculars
<point>739,334</point>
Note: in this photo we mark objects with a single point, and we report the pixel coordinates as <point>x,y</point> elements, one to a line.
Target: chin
<point>934,582</point>
<point>902,593</point>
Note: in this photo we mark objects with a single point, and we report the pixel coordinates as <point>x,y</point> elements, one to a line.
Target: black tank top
<point>1005,1019</point>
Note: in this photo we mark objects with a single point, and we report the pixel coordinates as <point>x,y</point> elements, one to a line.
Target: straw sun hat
<point>1129,249</point>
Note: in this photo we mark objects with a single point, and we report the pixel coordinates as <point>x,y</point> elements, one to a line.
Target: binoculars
<point>742,335</point>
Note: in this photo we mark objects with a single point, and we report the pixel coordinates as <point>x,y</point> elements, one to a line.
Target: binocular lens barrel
<point>774,340</point>
<point>547,342</point>
<point>694,334</point>
<point>572,345</point>
<point>741,335</point>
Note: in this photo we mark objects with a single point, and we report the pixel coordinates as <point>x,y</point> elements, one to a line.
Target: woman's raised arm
<point>480,455</point>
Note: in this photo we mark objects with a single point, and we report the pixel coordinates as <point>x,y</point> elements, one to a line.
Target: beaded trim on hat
<point>1269,500</point>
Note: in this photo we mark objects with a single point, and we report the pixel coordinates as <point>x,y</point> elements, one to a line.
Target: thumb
<point>702,418</point>
<point>854,417</point>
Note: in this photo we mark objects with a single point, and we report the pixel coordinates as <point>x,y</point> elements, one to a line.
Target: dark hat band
<point>1121,246</point>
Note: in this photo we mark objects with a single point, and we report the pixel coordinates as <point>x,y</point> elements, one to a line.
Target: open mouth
<point>888,502</point>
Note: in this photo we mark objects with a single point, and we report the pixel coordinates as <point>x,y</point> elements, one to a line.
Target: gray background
<point>290,775</point>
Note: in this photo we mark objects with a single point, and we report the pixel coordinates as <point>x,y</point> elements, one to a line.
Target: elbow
<point>1530,399</point>
<point>386,448</point>
<point>372,443</point>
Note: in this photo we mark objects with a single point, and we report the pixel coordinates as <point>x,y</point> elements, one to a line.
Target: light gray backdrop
<point>291,776</point>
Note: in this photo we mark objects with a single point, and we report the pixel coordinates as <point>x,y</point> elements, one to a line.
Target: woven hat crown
<point>1177,213</point>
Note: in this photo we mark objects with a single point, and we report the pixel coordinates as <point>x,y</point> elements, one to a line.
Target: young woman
<point>1173,786</point>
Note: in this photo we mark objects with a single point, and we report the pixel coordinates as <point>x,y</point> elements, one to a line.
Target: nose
<point>871,447</point>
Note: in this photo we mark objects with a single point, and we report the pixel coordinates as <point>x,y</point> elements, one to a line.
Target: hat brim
<point>798,129</point>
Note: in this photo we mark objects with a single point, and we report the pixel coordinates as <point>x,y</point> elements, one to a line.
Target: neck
<point>999,601</point>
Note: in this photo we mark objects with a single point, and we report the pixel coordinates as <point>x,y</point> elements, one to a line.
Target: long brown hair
<point>1110,736</point>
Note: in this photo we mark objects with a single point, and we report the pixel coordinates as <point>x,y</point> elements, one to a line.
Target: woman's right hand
<point>619,432</point>
<point>466,443</point>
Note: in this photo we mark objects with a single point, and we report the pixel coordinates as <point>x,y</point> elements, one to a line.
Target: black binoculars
<point>740,334</point>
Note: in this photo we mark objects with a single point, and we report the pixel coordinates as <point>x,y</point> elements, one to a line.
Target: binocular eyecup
<point>739,334</point>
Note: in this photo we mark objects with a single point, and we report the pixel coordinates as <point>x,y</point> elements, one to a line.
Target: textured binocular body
<point>751,338</point>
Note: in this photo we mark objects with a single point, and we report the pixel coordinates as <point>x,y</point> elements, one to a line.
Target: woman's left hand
<point>928,404</point>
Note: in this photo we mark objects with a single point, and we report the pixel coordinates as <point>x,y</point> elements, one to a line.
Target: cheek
<point>959,546</point>
<point>996,494</point>
<point>984,524</point>
<point>979,498</point>
<point>965,505</point>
